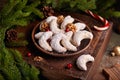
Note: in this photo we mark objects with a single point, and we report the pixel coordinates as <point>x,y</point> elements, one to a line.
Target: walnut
<point>60,19</point>
<point>38,58</point>
<point>44,26</point>
<point>70,27</point>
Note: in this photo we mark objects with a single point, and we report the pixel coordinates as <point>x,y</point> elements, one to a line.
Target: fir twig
<point>8,7</point>
<point>17,43</point>
<point>28,71</point>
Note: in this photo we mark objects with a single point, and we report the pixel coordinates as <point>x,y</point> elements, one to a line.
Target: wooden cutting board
<point>54,68</point>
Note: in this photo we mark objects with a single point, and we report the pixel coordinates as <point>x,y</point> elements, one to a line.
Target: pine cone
<point>11,35</point>
<point>48,11</point>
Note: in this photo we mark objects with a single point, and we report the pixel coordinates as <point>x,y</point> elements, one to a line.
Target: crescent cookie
<point>66,42</point>
<point>83,60</point>
<point>54,26</point>
<point>38,35</point>
<point>67,19</point>
<point>68,45</point>
<point>80,35</point>
<point>50,18</point>
<point>69,35</point>
<point>55,42</point>
<point>43,40</point>
<point>79,26</point>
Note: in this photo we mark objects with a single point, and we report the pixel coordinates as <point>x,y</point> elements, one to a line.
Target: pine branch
<point>103,5</point>
<point>17,43</point>
<point>35,3</point>
<point>8,68</point>
<point>1,77</point>
<point>28,71</point>
<point>20,22</point>
<point>71,5</point>
<point>34,10</point>
<point>13,67</point>
<point>21,5</point>
<point>8,7</point>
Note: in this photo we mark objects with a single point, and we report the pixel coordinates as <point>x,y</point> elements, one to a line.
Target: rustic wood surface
<point>53,66</point>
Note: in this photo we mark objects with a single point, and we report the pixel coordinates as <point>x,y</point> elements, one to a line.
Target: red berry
<point>69,65</point>
<point>47,29</point>
<point>28,54</point>
<point>67,29</point>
